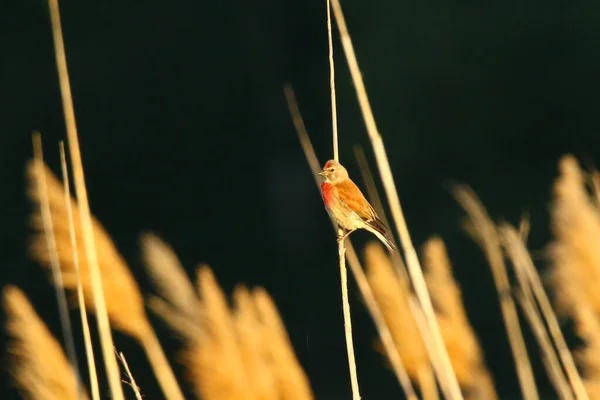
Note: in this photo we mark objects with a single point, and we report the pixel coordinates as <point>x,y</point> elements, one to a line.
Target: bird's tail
<point>387,242</point>
<point>384,237</point>
<point>382,232</point>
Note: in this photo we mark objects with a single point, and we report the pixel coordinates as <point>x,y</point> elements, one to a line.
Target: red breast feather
<point>327,190</point>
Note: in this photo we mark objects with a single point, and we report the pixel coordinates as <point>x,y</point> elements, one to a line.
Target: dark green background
<point>185,132</point>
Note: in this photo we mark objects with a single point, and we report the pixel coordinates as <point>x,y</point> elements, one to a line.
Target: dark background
<point>184,131</point>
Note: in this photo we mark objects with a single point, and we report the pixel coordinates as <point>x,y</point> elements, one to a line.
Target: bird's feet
<point>341,238</point>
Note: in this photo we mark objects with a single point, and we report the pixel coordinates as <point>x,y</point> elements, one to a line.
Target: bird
<point>346,204</point>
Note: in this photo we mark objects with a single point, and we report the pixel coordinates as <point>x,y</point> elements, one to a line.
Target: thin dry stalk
<point>428,385</point>
<point>426,376</point>
<point>124,303</point>
<point>348,321</point>
<point>483,231</point>
<point>46,217</point>
<point>380,323</point>
<point>112,368</point>
<point>134,386</point>
<point>446,374</point>
<point>369,181</point>
<point>87,337</point>
<point>530,282</point>
<point>160,365</point>
<point>461,342</point>
<point>341,244</point>
<point>375,200</point>
<point>336,152</point>
<point>357,270</point>
<point>32,349</point>
<point>429,390</point>
<point>549,357</point>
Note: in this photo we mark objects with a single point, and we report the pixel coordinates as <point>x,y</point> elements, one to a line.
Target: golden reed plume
<point>38,365</point>
<point>244,353</point>
<point>240,352</point>
<point>392,295</point>
<point>459,338</point>
<point>575,255</point>
<point>124,301</point>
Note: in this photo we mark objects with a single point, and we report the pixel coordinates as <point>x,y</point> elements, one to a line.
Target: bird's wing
<point>351,195</point>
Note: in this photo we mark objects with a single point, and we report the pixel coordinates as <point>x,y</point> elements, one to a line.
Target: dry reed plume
<point>575,252</point>
<point>39,366</point>
<point>392,295</point>
<point>459,338</point>
<point>243,353</point>
<point>239,352</point>
<point>575,255</point>
<point>177,303</point>
<point>124,301</point>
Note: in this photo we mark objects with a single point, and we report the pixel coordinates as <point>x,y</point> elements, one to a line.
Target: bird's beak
<point>323,173</point>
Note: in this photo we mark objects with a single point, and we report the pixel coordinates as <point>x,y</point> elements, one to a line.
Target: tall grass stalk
<point>112,368</point>
<point>483,231</point>
<point>375,200</point>
<point>446,373</point>
<point>529,277</point>
<point>510,238</point>
<point>355,266</point>
<point>87,338</point>
<point>59,289</point>
<point>549,358</point>
<point>340,232</point>
<point>134,386</point>
<point>426,376</point>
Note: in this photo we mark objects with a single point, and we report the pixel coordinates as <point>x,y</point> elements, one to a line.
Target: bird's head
<point>333,172</point>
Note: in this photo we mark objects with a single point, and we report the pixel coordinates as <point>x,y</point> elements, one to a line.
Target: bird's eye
<point>331,169</point>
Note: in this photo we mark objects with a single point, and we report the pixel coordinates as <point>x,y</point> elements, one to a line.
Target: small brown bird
<point>347,206</point>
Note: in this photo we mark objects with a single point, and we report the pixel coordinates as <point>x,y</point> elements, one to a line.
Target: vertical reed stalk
<point>87,338</point>
<point>341,246</point>
<point>445,373</point>
<point>355,266</point>
<point>59,288</point>
<point>529,278</point>
<point>112,368</point>
<point>483,231</point>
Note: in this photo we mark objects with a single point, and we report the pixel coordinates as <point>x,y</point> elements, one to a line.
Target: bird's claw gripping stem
<point>341,238</point>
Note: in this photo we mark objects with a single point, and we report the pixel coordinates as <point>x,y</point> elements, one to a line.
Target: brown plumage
<point>346,204</point>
